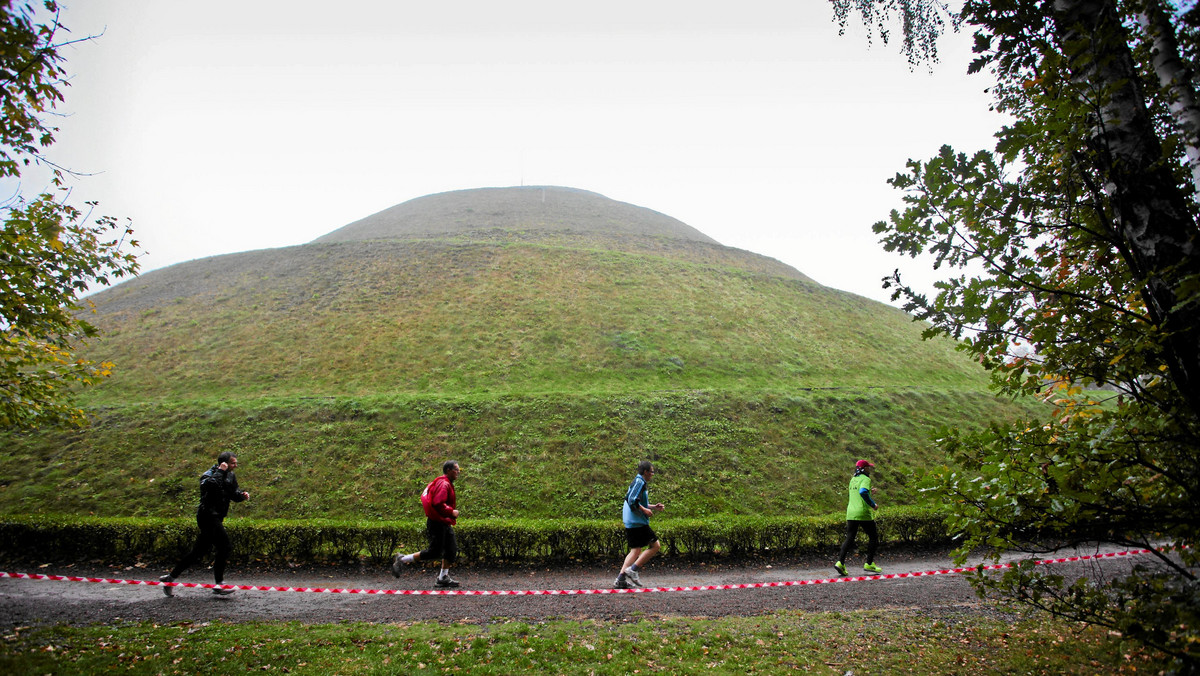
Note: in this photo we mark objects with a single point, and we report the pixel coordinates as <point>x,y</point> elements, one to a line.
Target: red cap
<point>863,463</point>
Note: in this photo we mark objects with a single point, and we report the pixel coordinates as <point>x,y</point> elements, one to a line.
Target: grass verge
<point>959,640</point>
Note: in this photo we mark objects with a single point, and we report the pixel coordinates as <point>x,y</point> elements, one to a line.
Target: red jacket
<point>438,500</point>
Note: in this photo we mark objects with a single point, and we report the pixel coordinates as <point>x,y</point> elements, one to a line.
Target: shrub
<point>483,541</point>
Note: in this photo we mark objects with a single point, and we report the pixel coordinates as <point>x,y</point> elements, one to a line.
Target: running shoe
<point>446,581</point>
<point>841,568</point>
<point>168,590</point>
<point>396,562</point>
<point>620,582</point>
<point>223,591</point>
<point>632,576</point>
<point>872,568</point>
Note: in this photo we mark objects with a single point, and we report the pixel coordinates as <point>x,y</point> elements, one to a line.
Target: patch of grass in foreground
<point>951,641</point>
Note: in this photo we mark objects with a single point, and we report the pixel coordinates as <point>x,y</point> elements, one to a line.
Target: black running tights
<point>212,533</point>
<point>852,532</point>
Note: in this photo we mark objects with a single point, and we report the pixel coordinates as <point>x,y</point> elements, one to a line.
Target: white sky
<point>224,126</point>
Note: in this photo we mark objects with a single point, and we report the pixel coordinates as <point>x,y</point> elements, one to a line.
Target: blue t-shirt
<point>636,495</point>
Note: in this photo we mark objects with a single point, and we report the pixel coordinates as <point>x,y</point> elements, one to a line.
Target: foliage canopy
<point>1075,276</point>
<point>50,251</point>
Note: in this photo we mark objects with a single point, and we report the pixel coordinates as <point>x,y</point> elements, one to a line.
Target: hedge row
<point>489,541</point>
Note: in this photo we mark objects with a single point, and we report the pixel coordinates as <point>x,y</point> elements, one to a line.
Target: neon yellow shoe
<point>872,568</point>
<point>841,568</point>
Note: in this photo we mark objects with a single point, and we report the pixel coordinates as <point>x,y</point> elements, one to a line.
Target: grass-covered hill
<point>509,210</point>
<point>547,338</point>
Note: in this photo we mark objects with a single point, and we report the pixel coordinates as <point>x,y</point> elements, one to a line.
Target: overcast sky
<point>225,126</point>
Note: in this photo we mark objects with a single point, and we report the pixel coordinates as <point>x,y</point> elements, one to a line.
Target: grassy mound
<point>368,318</point>
<point>546,338</point>
<point>531,457</point>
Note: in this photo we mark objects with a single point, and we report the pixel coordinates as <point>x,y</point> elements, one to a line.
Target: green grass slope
<point>546,338</point>
<point>548,456</point>
<point>366,318</point>
<point>529,209</point>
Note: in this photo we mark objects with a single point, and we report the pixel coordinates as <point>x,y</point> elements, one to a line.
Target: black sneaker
<point>446,581</point>
<point>223,591</point>
<point>168,590</point>
<point>620,582</point>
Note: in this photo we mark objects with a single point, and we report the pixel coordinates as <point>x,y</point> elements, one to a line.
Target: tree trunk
<point>1153,224</point>
<point>1176,79</point>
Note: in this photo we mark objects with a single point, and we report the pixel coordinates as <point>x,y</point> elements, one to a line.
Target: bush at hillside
<point>488,541</point>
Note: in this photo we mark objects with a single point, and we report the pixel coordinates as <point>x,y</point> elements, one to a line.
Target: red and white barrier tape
<point>562,592</point>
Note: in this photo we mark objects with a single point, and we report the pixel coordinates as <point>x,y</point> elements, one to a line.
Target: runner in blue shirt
<point>636,513</point>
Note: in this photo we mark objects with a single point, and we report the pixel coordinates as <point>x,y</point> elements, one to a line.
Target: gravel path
<point>35,602</point>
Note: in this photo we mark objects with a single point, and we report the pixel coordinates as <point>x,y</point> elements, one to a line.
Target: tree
<point>1074,251</point>
<point>50,252</point>
<point>922,22</point>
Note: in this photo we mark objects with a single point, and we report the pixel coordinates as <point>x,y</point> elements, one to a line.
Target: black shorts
<point>640,536</point>
<point>442,542</point>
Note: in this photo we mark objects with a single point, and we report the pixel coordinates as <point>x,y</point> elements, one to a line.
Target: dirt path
<point>34,602</point>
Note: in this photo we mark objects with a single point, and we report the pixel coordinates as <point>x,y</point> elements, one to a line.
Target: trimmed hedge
<point>484,541</point>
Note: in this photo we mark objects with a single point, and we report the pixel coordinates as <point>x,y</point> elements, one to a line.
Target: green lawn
<point>964,640</point>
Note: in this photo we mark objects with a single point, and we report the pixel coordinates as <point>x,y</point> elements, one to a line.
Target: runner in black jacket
<point>218,486</point>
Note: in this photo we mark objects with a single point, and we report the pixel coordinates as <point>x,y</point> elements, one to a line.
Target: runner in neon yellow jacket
<point>860,514</point>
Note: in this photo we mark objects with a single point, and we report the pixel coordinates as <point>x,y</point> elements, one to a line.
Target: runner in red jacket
<point>441,513</point>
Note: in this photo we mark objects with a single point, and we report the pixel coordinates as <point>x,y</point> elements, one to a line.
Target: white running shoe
<point>632,576</point>
<point>223,591</point>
